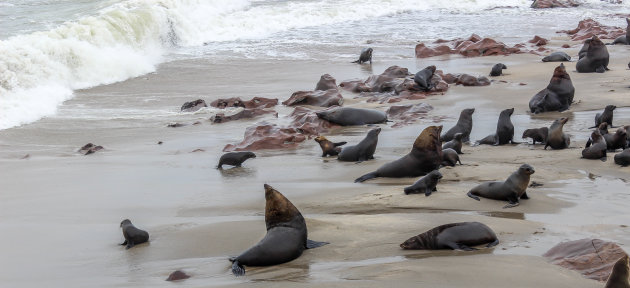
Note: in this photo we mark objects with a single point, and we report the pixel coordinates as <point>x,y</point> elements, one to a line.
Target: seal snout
<point>564,120</point>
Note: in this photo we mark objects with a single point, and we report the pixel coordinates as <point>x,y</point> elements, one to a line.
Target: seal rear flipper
<point>129,245</point>
<point>459,246</point>
<point>603,159</point>
<point>237,268</point>
<point>368,176</point>
<point>340,143</point>
<point>124,243</point>
<point>524,196</point>
<point>473,196</point>
<point>310,244</point>
<point>495,243</point>
<point>601,69</point>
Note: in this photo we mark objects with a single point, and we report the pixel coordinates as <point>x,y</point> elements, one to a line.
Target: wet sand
<point>59,210</point>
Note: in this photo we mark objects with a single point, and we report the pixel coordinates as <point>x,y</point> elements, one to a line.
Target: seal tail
<point>366,177</point>
<point>237,268</point>
<point>473,196</point>
<point>310,244</point>
<point>495,243</point>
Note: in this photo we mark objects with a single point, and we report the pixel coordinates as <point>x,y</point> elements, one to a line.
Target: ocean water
<point>51,48</point>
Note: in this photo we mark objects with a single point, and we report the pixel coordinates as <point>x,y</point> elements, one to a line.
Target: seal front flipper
<point>524,196</point>
<point>495,243</point>
<point>340,143</point>
<point>237,268</point>
<point>129,245</point>
<point>473,196</point>
<point>601,69</point>
<point>310,244</point>
<point>366,177</point>
<point>124,243</point>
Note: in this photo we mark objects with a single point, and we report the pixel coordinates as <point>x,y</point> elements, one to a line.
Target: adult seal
<point>133,236</point>
<point>505,130</point>
<point>423,78</point>
<point>619,276</point>
<point>286,236</point>
<point>366,55</point>
<point>464,126</point>
<point>511,189</point>
<point>557,96</point>
<point>234,158</point>
<point>557,139</point>
<point>329,148</point>
<point>584,49</point>
<point>497,69</point>
<point>425,185</point>
<point>425,156</point>
<point>455,144</point>
<point>348,116</point>
<point>450,157</point>
<point>362,151</point>
<point>538,135</point>
<point>623,158</point>
<point>596,150</point>
<point>557,57</point>
<point>596,58</point>
<point>624,39</point>
<point>606,116</point>
<point>617,140</point>
<point>456,236</point>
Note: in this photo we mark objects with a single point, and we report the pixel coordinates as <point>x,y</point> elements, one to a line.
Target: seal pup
<point>617,140</point>
<point>623,158</point>
<point>539,134</point>
<point>511,189</point>
<point>234,158</point>
<point>623,39</point>
<point>286,236</point>
<point>423,78</point>
<point>456,236</point>
<point>464,126</point>
<point>348,116</point>
<point>505,130</point>
<point>603,128</point>
<point>557,96</point>
<point>362,151</point>
<point>133,236</point>
<point>557,57</point>
<point>620,272</point>
<point>450,157</point>
<point>596,58</point>
<point>598,148</point>
<point>329,148</point>
<point>366,55</point>
<point>606,116</point>
<point>497,69</point>
<point>556,139</point>
<point>426,184</point>
<point>424,157</point>
<point>455,144</point>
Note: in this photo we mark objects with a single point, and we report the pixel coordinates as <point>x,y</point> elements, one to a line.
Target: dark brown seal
<point>455,144</point>
<point>177,275</point>
<point>425,156</point>
<point>556,139</point>
<point>426,184</point>
<point>557,96</point>
<point>366,55</point>
<point>596,58</point>
<point>617,140</point>
<point>364,150</point>
<point>513,188</point>
<point>539,134</point>
<point>624,39</point>
<point>464,126</point>
<point>347,116</point>
<point>606,116</point>
<point>286,236</point>
<point>497,69</point>
<point>450,157</point>
<point>423,78</point>
<point>603,128</point>
<point>234,158</point>
<point>505,130</point>
<point>620,273</point>
<point>623,158</point>
<point>329,148</point>
<point>133,236</point>
<point>598,148</point>
<point>456,236</point>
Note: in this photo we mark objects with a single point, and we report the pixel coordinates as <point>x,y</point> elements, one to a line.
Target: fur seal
<point>623,158</point>
<point>620,272</point>
<point>598,148</point>
<point>623,39</point>
<point>603,128</point>
<point>426,184</point>
<point>133,236</point>
<point>234,158</point>
<point>286,236</point>
<point>464,126</point>
<point>596,58</point>
<point>450,157</point>
<point>424,157</point>
<point>617,140</point>
<point>584,49</point>
<point>456,236</point>
<point>455,144</point>
<point>362,151</point>
<point>511,189</point>
<point>557,96</point>
<point>329,148</point>
<point>557,57</point>
<point>539,134</point>
<point>497,69</point>
<point>366,55</point>
<point>423,78</point>
<point>556,139</point>
<point>606,116</point>
<point>348,116</point>
<point>505,130</point>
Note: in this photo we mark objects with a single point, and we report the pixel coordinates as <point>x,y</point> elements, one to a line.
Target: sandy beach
<point>67,206</point>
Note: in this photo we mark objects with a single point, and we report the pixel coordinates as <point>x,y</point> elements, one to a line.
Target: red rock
<point>471,47</point>
<point>588,28</point>
<point>593,258</point>
<point>177,275</point>
<point>538,41</point>
<point>256,102</point>
<point>423,51</point>
<point>356,86</point>
<point>540,4</point>
<point>396,72</point>
<point>193,105</point>
<point>244,114</point>
<point>566,46</point>
<point>326,82</point>
<point>407,114</point>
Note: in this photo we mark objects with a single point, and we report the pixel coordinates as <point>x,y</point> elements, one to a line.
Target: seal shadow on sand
<point>236,172</point>
<point>423,254</point>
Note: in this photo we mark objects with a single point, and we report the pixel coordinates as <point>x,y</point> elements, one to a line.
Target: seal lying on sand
<point>623,39</point>
<point>348,116</point>
<point>556,139</point>
<point>464,126</point>
<point>497,69</point>
<point>426,184</point>
<point>450,157</point>
<point>557,57</point>
<point>598,148</point>
<point>623,158</point>
<point>362,151</point>
<point>366,55</point>
<point>234,158</point>
<point>133,236</point>
<point>425,156</point>
<point>596,58</point>
<point>329,148</point>
<point>505,130</point>
<point>539,134</point>
<point>511,189</point>
<point>606,116</point>
<point>557,96</point>
<point>286,236</point>
<point>456,236</point>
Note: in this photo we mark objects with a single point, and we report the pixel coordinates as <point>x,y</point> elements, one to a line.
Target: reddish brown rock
<point>244,114</point>
<point>422,51</point>
<point>473,46</point>
<point>593,258</point>
<point>306,122</point>
<point>538,41</point>
<point>356,86</point>
<point>193,106</point>
<point>407,114</point>
<point>326,82</point>
<point>588,28</point>
<point>90,148</point>
<point>256,102</point>
<point>540,4</point>
<point>566,46</point>
<point>321,98</point>
<point>177,275</point>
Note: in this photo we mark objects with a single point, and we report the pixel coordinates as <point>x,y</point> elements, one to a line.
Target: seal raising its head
<point>511,189</point>
<point>619,276</point>
<point>133,236</point>
<point>234,158</point>
<point>329,148</point>
<point>364,150</point>
<point>556,139</point>
<point>596,57</point>
<point>464,126</point>
<point>366,55</point>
